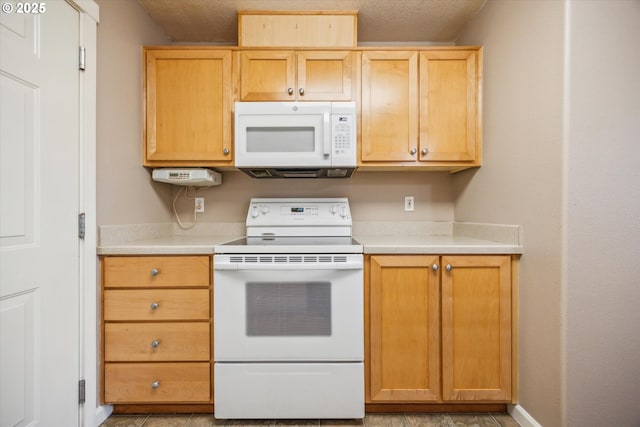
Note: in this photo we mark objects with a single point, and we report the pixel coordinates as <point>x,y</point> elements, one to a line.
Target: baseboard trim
<point>523,418</point>
<point>102,413</point>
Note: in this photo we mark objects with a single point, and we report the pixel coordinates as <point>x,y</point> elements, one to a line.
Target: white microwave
<point>295,140</point>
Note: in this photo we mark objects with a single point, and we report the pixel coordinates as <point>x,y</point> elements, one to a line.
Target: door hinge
<point>81,225</point>
<point>82,58</point>
<point>81,387</point>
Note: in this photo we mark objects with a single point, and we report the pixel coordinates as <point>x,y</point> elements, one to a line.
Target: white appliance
<point>187,177</point>
<point>288,314</point>
<point>295,140</point>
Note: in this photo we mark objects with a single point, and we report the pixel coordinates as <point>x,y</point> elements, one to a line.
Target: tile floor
<point>370,420</point>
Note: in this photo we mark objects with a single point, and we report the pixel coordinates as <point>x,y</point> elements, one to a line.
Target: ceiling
<point>418,21</point>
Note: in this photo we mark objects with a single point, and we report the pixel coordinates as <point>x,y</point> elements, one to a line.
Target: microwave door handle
<point>326,138</point>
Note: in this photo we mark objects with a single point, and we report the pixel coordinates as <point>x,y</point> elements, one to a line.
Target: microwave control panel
<point>343,139</point>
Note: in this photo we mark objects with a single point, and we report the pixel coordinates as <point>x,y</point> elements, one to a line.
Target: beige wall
<point>521,178</point>
<point>374,196</point>
<point>603,215</point>
<point>126,194</point>
<point>561,159</point>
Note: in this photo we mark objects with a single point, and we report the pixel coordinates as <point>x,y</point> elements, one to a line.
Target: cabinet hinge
<point>82,57</point>
<point>81,387</point>
<point>81,225</point>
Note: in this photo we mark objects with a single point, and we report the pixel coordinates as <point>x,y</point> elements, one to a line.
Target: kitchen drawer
<point>174,382</point>
<point>157,271</point>
<point>141,342</point>
<point>170,304</point>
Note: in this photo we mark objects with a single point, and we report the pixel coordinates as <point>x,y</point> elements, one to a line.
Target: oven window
<point>280,139</point>
<point>288,308</point>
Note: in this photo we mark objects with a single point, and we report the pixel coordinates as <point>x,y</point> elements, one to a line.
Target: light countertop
<point>376,237</point>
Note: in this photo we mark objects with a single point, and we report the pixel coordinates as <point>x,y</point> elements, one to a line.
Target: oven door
<point>288,311</point>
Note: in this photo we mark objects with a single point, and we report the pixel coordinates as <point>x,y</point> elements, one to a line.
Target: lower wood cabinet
<point>156,329</point>
<point>439,328</point>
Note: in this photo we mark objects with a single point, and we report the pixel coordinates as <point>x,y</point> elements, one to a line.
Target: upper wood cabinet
<point>188,98</point>
<point>389,106</point>
<point>421,108</point>
<point>308,75</point>
<point>328,28</point>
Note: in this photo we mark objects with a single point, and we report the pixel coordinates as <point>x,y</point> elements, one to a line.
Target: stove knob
<point>334,209</point>
<point>264,209</point>
<point>343,212</point>
<point>254,213</point>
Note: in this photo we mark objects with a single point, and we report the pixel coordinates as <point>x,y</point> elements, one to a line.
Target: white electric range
<point>288,314</point>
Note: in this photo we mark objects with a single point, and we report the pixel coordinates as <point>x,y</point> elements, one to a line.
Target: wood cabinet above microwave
<point>296,29</point>
<point>302,75</point>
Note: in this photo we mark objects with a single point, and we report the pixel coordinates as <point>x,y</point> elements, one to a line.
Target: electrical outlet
<point>408,204</point>
<point>199,204</point>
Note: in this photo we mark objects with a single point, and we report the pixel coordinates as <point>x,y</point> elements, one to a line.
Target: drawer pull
<point>155,384</point>
<point>449,267</point>
<point>155,343</point>
<point>154,305</point>
<point>155,272</point>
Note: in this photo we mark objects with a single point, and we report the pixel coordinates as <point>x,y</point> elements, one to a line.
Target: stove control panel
<point>298,212</point>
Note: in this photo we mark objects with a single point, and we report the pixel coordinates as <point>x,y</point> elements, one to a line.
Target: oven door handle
<point>291,267</point>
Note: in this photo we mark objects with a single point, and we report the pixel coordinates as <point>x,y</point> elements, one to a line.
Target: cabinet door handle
<point>435,267</point>
<point>155,272</point>
<point>301,91</point>
<point>424,151</point>
<point>290,91</point>
<point>226,151</point>
<point>449,267</point>
<point>155,384</point>
<point>154,306</point>
<point>155,343</point>
<point>413,151</point>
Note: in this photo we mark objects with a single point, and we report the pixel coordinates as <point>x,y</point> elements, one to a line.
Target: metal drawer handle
<point>301,91</point>
<point>449,267</point>
<point>155,384</point>
<point>290,91</point>
<point>435,267</point>
<point>155,272</point>
<point>154,306</point>
<point>155,343</point>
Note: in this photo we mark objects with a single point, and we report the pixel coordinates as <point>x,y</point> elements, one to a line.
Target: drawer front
<point>157,382</point>
<point>148,342</point>
<point>156,304</point>
<point>157,271</point>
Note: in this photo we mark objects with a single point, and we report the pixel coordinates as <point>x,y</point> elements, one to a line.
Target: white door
<point>39,255</point>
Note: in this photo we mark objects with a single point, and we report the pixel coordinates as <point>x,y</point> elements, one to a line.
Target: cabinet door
<point>188,97</point>
<point>449,114</point>
<point>267,75</point>
<point>476,328</point>
<point>404,328</point>
<point>326,75</point>
<point>389,106</point>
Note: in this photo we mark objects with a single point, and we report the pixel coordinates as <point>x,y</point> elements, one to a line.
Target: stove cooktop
<point>296,225</point>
